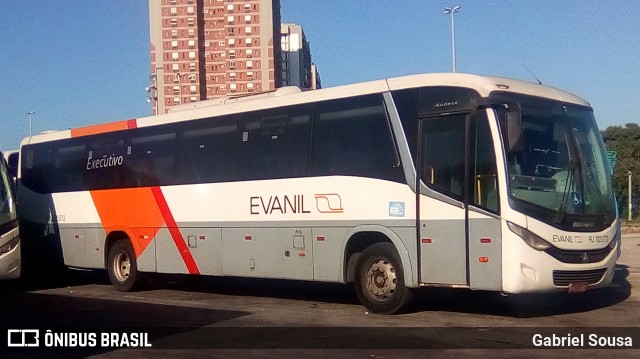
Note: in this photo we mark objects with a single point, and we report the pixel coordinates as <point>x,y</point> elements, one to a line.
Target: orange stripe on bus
<point>132,210</point>
<point>140,213</point>
<point>103,128</point>
<point>178,239</point>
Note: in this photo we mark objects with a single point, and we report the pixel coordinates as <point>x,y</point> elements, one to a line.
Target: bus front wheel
<point>379,280</point>
<point>122,267</point>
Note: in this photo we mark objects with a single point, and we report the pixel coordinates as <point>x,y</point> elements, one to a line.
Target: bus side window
<point>208,152</point>
<point>38,168</point>
<point>443,154</point>
<point>274,144</point>
<point>153,159</point>
<point>352,137</point>
<point>485,193</point>
<point>71,162</point>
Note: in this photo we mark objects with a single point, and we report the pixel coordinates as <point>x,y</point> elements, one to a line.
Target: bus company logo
<point>584,257</point>
<point>564,238</point>
<point>20,338</point>
<point>329,203</point>
<point>104,162</point>
<point>295,204</point>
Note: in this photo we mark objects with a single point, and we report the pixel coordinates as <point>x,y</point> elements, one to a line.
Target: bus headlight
<point>529,238</point>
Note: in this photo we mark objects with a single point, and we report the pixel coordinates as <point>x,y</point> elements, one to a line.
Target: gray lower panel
<point>268,252</point>
<point>204,245</point>
<point>443,252</point>
<point>273,250</point>
<point>485,253</point>
<point>74,246</point>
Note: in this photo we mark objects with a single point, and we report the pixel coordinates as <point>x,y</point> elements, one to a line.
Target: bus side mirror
<point>514,131</point>
<point>12,164</point>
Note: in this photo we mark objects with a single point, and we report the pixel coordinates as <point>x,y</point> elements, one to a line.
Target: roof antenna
<point>531,73</point>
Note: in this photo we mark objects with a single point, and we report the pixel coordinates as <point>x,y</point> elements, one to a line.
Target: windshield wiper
<point>562,211</point>
<point>574,163</point>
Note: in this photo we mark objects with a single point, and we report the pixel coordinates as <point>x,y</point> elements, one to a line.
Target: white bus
<point>9,232</point>
<point>450,180</point>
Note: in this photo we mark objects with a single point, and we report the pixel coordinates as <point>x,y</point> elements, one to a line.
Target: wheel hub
<point>381,279</point>
<point>122,267</point>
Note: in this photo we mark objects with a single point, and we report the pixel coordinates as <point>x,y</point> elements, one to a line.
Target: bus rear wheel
<point>123,268</point>
<point>379,280</point>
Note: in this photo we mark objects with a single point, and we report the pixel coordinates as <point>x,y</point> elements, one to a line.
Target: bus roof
<point>484,85</point>
<point>286,96</point>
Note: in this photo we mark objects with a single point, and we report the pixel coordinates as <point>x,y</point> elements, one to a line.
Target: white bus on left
<point>9,232</point>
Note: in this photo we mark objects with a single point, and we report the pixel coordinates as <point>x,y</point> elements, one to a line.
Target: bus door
<point>459,228</point>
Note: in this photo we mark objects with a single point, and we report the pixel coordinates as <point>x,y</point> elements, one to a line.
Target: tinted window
<point>152,159</point>
<point>106,161</point>
<point>274,144</point>
<point>71,161</point>
<point>39,167</point>
<point>349,137</point>
<point>443,154</point>
<point>413,104</point>
<point>484,175</point>
<point>353,137</point>
<point>208,151</point>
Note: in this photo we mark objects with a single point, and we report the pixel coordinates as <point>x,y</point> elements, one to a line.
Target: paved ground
<point>631,252</point>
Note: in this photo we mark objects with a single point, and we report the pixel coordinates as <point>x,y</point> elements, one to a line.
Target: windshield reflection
<point>562,173</point>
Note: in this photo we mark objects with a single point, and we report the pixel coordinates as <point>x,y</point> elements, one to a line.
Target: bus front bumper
<point>531,271</point>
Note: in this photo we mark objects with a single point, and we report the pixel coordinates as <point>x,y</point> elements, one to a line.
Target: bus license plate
<point>577,287</point>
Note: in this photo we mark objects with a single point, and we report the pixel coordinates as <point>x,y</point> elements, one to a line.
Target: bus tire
<point>123,268</point>
<point>379,280</point>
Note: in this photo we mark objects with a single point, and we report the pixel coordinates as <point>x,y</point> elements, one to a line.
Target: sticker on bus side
<point>396,209</point>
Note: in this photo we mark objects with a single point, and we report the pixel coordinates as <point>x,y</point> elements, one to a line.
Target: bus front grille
<point>562,278</point>
<point>589,256</point>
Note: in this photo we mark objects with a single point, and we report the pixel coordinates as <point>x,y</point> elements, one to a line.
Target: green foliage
<point>626,142</point>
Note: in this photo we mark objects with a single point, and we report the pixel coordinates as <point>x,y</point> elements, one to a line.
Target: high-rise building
<point>297,68</point>
<point>206,48</point>
<point>315,77</point>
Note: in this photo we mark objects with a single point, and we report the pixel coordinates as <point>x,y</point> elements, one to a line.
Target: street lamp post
<point>30,113</point>
<point>153,90</point>
<point>630,216</point>
<point>452,11</point>
<point>630,189</point>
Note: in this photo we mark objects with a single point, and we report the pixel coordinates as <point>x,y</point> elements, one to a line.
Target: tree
<point>626,142</point>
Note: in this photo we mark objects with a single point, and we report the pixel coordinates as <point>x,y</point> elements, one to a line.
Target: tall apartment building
<point>206,48</point>
<point>297,67</point>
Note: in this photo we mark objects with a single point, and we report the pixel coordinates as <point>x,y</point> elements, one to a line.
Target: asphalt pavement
<point>630,256</point>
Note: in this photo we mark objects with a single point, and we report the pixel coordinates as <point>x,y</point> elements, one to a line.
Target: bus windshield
<point>561,175</point>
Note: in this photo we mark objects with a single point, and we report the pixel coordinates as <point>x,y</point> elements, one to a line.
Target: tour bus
<point>430,180</point>
<point>9,232</point>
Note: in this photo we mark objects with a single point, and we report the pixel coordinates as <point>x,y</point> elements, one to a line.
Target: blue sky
<point>78,62</point>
